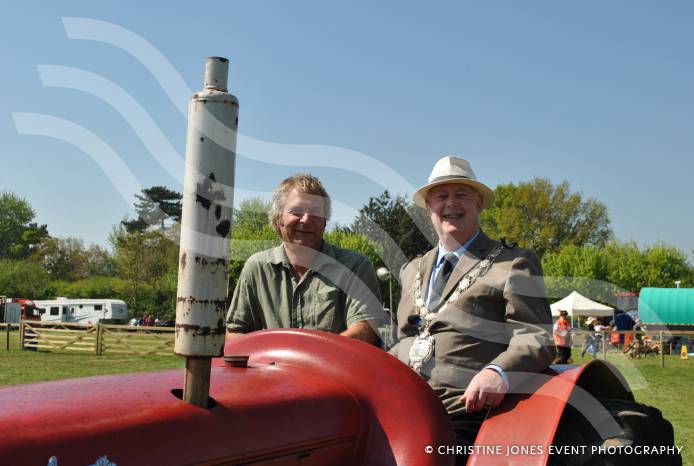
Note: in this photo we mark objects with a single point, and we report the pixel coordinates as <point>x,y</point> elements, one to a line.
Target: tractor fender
<point>401,415</point>
<point>304,397</point>
<point>525,423</point>
<point>279,415</point>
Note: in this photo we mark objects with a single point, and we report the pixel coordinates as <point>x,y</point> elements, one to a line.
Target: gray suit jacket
<point>502,319</point>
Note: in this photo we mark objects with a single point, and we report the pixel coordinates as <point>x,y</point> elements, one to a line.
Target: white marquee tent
<point>578,305</point>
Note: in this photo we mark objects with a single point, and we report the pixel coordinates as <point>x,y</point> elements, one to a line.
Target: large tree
<point>246,240</point>
<point>18,235</point>
<point>659,265</point>
<point>145,260</point>
<point>63,258</point>
<point>24,279</point>
<point>541,216</point>
<point>67,259</point>
<point>99,262</point>
<point>93,287</point>
<point>400,230</point>
<point>251,213</point>
<point>600,272</point>
<point>251,232</point>
<point>155,206</point>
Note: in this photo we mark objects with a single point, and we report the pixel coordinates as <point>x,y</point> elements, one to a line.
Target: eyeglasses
<point>314,213</point>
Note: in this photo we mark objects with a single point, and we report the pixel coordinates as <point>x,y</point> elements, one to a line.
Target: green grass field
<point>665,388</point>
<point>19,367</point>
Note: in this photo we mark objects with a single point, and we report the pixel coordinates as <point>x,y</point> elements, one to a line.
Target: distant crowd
<point>563,334</point>
<point>148,320</point>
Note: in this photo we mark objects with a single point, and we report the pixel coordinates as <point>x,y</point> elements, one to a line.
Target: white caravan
<point>83,311</point>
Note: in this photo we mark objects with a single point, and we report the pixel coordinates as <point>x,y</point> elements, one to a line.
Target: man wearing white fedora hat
<point>473,314</point>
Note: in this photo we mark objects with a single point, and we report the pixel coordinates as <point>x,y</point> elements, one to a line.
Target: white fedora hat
<point>453,170</point>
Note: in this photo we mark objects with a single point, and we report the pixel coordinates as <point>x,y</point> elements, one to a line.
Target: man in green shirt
<point>305,282</point>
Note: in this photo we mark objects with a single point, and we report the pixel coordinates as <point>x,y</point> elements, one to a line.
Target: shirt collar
<point>325,256</point>
<point>458,252</point>
<point>278,256</point>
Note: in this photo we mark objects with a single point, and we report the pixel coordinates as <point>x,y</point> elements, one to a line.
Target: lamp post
<point>384,274</point>
<point>677,283</point>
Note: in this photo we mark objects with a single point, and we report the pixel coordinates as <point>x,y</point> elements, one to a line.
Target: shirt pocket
<point>324,309</point>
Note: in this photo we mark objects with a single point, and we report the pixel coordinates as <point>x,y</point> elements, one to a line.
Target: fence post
<point>7,340</point>
<point>662,352</point>
<point>99,336</point>
<point>21,335</point>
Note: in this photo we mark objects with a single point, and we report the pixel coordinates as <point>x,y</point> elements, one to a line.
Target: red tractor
<point>298,397</point>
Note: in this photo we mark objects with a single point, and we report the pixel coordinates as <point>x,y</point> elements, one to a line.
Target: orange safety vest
<point>561,326</point>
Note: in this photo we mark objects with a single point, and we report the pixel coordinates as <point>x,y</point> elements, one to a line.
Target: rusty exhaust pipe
<point>205,250</point>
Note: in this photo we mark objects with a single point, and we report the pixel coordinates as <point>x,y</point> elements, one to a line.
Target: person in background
<point>563,338</point>
<point>623,322</point>
<point>593,337</point>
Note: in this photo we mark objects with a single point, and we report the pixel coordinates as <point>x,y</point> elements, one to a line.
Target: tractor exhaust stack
<point>208,190</point>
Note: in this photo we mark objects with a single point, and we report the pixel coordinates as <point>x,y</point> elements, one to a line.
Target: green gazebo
<point>667,308</point>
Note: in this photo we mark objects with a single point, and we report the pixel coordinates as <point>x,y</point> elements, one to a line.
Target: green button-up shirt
<point>339,289</point>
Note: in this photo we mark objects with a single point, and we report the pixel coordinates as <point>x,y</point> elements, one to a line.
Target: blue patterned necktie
<point>441,279</point>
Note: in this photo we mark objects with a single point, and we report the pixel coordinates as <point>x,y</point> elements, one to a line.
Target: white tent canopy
<point>578,305</point>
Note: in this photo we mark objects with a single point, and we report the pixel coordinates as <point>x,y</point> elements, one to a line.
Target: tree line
<point>571,234</point>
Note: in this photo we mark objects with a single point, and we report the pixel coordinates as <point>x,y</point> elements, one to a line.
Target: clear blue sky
<point>596,93</point>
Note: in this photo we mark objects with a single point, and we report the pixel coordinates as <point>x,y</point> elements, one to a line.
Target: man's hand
<point>361,331</point>
<point>486,389</point>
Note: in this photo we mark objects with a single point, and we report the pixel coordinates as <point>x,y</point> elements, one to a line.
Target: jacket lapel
<point>473,254</point>
<point>428,260</point>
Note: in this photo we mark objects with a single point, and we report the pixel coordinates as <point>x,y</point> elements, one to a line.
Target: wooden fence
<point>5,329</point>
<point>98,339</point>
<point>124,339</point>
<point>662,338</point>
